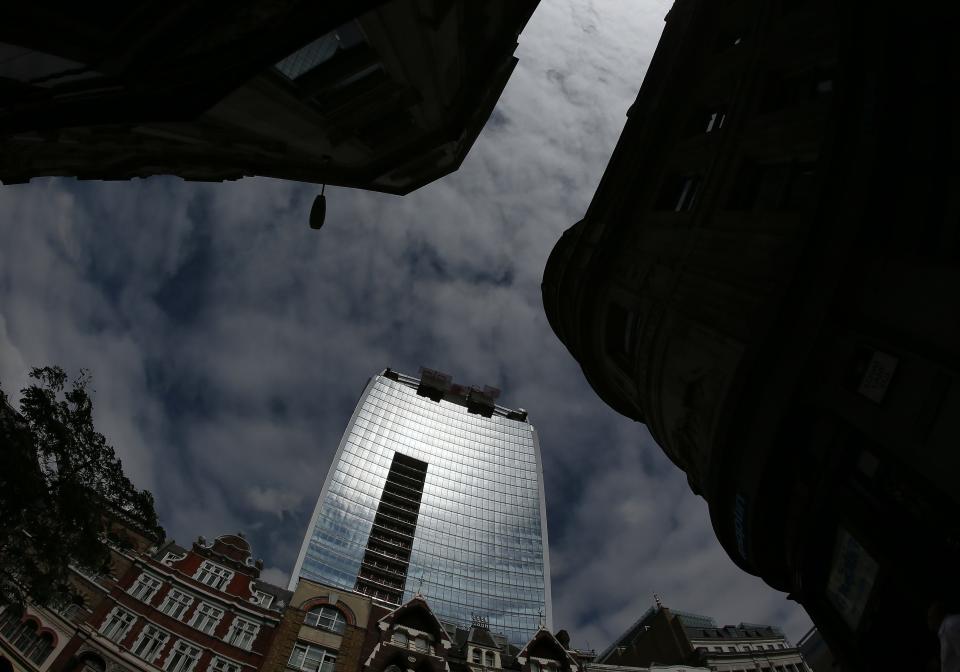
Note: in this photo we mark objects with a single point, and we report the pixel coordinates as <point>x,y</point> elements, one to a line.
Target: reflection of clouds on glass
<point>477,546</point>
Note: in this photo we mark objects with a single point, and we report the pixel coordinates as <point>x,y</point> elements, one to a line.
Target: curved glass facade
<point>424,495</point>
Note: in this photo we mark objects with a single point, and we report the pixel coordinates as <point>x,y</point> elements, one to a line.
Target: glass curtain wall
<point>473,540</point>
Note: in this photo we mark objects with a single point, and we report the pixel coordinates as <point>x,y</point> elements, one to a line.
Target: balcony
<point>380,581</point>
<point>381,595</point>
<point>384,567</point>
<point>395,529</point>
<point>415,502</point>
<point>413,494</point>
<point>387,554</point>
<point>391,542</point>
<point>412,523</point>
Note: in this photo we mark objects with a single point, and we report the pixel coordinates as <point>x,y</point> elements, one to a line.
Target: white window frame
<point>145,587</point>
<point>242,633</point>
<point>211,621</point>
<point>314,618</point>
<point>328,656</point>
<point>218,664</point>
<point>213,575</point>
<point>155,634</point>
<point>122,617</point>
<point>263,599</point>
<point>182,652</point>
<point>185,600</point>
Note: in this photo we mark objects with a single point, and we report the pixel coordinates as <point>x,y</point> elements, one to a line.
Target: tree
<point>60,486</point>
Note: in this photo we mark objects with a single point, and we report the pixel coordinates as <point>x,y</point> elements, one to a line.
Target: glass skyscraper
<point>435,488</point>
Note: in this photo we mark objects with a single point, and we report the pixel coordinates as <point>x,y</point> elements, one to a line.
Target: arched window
<point>400,638</point>
<point>476,657</point>
<point>10,620</point>
<point>489,659</point>
<point>326,617</point>
<point>26,636</point>
<point>41,648</point>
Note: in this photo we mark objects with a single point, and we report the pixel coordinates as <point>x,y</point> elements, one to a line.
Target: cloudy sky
<point>229,342</point>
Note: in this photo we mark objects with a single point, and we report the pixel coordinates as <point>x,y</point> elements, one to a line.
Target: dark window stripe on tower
<point>383,574</point>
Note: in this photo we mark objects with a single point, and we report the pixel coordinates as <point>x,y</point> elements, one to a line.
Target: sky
<point>229,342</point>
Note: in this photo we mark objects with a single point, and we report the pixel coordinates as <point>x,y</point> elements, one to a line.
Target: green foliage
<point>60,485</point>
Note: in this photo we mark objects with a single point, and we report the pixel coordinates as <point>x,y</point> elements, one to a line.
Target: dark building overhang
<point>184,90</point>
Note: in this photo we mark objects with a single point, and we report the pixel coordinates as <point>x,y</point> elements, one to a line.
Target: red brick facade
<point>221,576</point>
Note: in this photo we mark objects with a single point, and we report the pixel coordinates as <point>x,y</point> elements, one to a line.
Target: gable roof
<point>481,637</point>
<point>544,637</point>
<point>415,604</point>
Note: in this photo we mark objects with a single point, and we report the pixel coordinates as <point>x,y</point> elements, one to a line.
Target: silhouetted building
<point>386,96</point>
<point>328,630</point>
<point>411,636</point>
<point>768,277</point>
<point>817,654</point>
<point>436,490</point>
<point>663,635</point>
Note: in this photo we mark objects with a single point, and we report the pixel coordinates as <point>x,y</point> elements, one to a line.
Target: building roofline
<point>457,394</point>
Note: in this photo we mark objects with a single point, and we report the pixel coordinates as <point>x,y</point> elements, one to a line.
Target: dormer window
<point>421,644</point>
<point>476,658</point>
<point>213,575</point>
<point>263,599</point>
<point>489,659</point>
<point>535,666</point>
<point>400,638</point>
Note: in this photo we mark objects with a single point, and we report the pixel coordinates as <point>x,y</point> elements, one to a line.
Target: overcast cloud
<point>229,342</point>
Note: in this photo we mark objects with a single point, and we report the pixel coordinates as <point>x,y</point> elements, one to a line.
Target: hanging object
<point>319,210</point>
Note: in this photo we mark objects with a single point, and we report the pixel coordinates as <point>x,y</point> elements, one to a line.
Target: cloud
<point>275,575</point>
<point>229,342</point>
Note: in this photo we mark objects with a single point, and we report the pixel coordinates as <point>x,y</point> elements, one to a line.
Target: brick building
<point>327,630</point>
<point>323,630</point>
<point>201,609</point>
<point>33,639</point>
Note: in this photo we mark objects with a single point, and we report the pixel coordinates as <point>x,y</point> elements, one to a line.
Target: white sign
<point>876,379</point>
